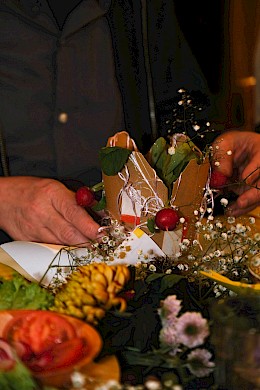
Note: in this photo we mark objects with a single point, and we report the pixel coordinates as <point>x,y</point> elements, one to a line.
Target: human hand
<point>236,154</point>
<point>43,210</point>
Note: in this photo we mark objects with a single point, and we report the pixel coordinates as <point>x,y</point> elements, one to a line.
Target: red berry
<point>167,219</point>
<point>218,179</point>
<point>85,197</point>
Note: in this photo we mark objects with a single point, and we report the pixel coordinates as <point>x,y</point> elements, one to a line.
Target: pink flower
<point>171,307</point>
<point>168,336</point>
<point>192,329</point>
<point>199,362</point>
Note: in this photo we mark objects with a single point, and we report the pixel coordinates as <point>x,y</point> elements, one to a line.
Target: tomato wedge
<point>61,355</point>
<point>39,330</point>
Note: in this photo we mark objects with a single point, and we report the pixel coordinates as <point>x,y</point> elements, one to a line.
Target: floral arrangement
<point>155,314</point>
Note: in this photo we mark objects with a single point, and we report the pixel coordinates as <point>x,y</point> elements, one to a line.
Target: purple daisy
<point>192,329</point>
<point>198,362</point>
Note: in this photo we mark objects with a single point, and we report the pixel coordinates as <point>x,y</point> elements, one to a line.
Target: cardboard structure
<point>136,193</point>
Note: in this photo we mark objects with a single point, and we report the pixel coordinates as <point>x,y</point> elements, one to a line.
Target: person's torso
<point>58,90</point>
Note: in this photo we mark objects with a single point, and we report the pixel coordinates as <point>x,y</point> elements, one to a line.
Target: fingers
<point>245,203</point>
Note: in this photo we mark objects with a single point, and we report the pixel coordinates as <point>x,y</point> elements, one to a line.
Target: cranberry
<point>85,197</point>
<point>218,179</point>
<point>167,219</point>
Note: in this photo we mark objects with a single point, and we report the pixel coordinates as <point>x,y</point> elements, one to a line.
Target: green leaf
<point>19,378</point>
<point>157,151</point>
<point>153,277</point>
<point>19,293</point>
<point>151,224</point>
<point>178,161</point>
<point>101,205</point>
<point>168,281</point>
<point>113,159</point>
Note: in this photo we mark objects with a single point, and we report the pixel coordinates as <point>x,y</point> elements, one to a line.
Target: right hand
<point>43,210</point>
<point>242,167</point>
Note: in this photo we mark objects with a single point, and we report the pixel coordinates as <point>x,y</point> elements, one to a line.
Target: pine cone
<point>91,290</point>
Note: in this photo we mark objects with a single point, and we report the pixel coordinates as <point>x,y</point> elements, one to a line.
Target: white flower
<point>217,163</point>
<point>152,268</point>
<point>229,152</point>
<point>199,362</point>
<point>78,380</point>
<point>257,236</point>
<point>192,329</point>
<point>182,220</point>
<point>171,150</point>
<point>224,202</point>
<point>231,220</point>
<point>224,236</point>
<point>151,384</point>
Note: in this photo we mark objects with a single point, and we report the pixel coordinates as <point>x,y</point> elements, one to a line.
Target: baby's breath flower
<point>152,268</point>
<point>229,152</point>
<point>217,163</point>
<point>171,150</point>
<point>252,220</point>
<point>224,202</point>
<point>78,379</point>
<point>231,220</point>
<point>182,220</point>
<point>257,236</point>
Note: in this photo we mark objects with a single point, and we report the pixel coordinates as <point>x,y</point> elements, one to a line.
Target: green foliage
<point>113,159</point>
<point>101,205</point>
<point>151,225</point>
<point>169,166</point>
<point>19,378</point>
<point>19,293</point>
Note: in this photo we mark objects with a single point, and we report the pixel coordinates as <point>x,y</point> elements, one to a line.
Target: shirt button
<point>63,117</point>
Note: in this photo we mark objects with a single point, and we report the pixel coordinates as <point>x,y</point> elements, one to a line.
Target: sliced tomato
<point>40,330</point>
<point>63,355</point>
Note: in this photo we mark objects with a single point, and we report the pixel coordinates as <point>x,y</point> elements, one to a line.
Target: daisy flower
<point>198,362</point>
<point>192,329</point>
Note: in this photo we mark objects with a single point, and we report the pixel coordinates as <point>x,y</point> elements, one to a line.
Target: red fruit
<point>218,179</point>
<point>167,219</point>
<point>85,197</point>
